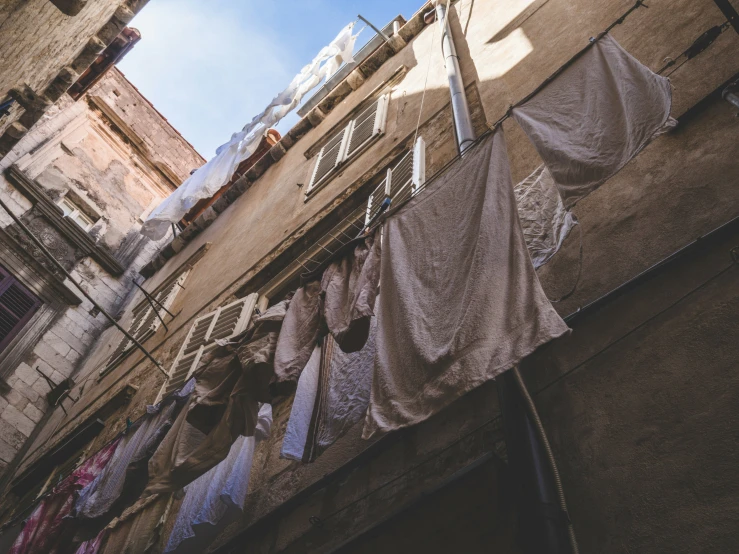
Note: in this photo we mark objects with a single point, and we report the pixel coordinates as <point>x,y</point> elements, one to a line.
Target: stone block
<point>277,152</point>
<point>178,244</point>
<point>316,116</point>
<point>88,54</point>
<point>205,219</point>
<point>53,358</point>
<point>12,436</point>
<point>33,413</point>
<point>397,43</point>
<point>27,391</point>
<point>69,7</point>
<point>299,130</point>
<point>18,420</point>
<point>3,403</point>
<point>121,17</point>
<point>61,83</point>
<point>7,452</point>
<point>355,79</point>
<point>189,232</point>
<point>57,343</point>
<point>42,387</point>
<point>13,133</point>
<point>26,374</point>
<point>220,205</point>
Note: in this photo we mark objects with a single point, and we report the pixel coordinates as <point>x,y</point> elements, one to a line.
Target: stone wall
<point>87,151</point>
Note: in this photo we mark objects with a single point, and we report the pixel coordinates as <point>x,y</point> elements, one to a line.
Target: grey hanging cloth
<point>595,116</point>
<point>460,300</point>
<point>544,219</point>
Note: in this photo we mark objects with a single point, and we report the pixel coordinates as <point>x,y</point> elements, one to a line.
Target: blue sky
<point>209,67</point>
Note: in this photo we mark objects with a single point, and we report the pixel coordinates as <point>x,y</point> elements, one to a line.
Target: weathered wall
<point>632,419</point>
<point>87,149</point>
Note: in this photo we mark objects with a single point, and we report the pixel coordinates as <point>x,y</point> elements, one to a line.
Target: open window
<point>147,317</point>
<point>220,324</point>
<point>349,142</point>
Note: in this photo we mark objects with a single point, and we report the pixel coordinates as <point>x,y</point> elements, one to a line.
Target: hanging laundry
<point>338,297</point>
<point>332,396</point>
<point>138,529</point>
<point>595,116</point>
<point>300,333</point>
<point>48,525</point>
<point>207,180</point>
<point>544,219</point>
<point>222,407</point>
<point>94,545</point>
<point>349,286</point>
<point>460,299</point>
<point>124,478</point>
<point>217,497</point>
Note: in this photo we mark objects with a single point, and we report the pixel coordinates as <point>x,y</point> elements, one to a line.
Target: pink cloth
<point>46,525</point>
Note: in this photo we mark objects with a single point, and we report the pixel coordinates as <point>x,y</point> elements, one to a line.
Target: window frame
<point>76,214</point>
<point>8,280</point>
<point>345,154</point>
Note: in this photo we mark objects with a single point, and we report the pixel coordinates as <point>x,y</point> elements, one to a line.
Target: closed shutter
<point>329,157</point>
<point>17,306</point>
<point>221,324</point>
<point>406,177</point>
<point>366,126</point>
<point>145,322</point>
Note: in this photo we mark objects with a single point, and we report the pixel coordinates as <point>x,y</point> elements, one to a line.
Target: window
<point>17,306</point>
<point>223,323</point>
<point>146,321</point>
<point>349,142</point>
<point>73,212</point>
<point>403,180</point>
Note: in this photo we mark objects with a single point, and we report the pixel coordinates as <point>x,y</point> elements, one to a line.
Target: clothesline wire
<point>721,28</point>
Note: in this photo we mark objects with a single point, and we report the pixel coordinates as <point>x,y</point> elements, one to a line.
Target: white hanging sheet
<point>207,180</point>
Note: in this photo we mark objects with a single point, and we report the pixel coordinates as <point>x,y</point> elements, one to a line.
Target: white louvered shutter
<point>223,323</point>
<point>330,156</point>
<point>369,124</point>
<point>406,177</point>
<point>145,321</point>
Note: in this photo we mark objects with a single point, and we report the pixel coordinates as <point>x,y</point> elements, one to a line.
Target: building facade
<point>638,402</point>
<point>83,179</point>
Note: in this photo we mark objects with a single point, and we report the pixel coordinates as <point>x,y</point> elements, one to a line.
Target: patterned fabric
<point>46,525</point>
<point>93,545</point>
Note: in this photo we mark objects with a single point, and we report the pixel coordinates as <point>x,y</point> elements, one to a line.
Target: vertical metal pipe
<point>731,97</point>
<point>461,110</point>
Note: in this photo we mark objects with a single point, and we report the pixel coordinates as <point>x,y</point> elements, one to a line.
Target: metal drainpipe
<point>730,95</point>
<point>460,108</point>
<point>541,527</point>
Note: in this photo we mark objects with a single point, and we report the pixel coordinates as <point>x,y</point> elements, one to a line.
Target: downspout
<point>544,525</point>
<point>460,108</point>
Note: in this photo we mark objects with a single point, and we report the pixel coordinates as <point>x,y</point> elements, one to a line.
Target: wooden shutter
<point>366,126</point>
<point>17,306</point>
<point>145,322</point>
<point>330,156</point>
<point>406,177</point>
<point>223,323</point>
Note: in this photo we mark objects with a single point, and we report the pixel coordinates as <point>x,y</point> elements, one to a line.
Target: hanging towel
<point>596,116</point>
<point>222,407</point>
<point>460,299</point>
<point>48,524</point>
<point>544,219</point>
<point>349,286</point>
<point>300,333</point>
<point>124,478</point>
<point>217,497</point>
